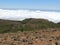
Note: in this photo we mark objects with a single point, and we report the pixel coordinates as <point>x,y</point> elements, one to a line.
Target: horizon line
<point>30,9</point>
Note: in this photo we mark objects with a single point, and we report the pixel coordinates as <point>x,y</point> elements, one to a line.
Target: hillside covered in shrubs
<point>30,24</point>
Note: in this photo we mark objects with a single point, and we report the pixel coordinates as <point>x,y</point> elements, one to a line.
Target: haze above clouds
<point>23,14</point>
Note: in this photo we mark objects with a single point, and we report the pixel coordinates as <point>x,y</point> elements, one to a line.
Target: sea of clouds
<point>23,14</point>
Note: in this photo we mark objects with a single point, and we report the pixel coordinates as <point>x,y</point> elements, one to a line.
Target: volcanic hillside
<point>30,24</point>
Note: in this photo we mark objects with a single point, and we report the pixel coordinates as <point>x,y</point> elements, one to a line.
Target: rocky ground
<point>39,37</point>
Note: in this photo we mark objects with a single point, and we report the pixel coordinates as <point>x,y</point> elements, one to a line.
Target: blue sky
<point>31,4</point>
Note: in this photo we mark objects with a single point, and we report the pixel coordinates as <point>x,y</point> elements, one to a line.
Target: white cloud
<point>22,14</point>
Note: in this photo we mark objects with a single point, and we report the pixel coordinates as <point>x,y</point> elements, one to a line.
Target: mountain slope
<point>30,24</point>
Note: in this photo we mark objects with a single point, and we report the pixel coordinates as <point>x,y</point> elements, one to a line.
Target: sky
<point>21,9</point>
<point>31,4</point>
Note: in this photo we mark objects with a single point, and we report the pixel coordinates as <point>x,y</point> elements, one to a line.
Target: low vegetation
<point>26,25</point>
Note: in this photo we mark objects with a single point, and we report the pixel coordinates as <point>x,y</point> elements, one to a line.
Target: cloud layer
<point>22,14</point>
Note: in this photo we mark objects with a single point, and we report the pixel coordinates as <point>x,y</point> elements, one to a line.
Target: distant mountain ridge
<point>30,9</point>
